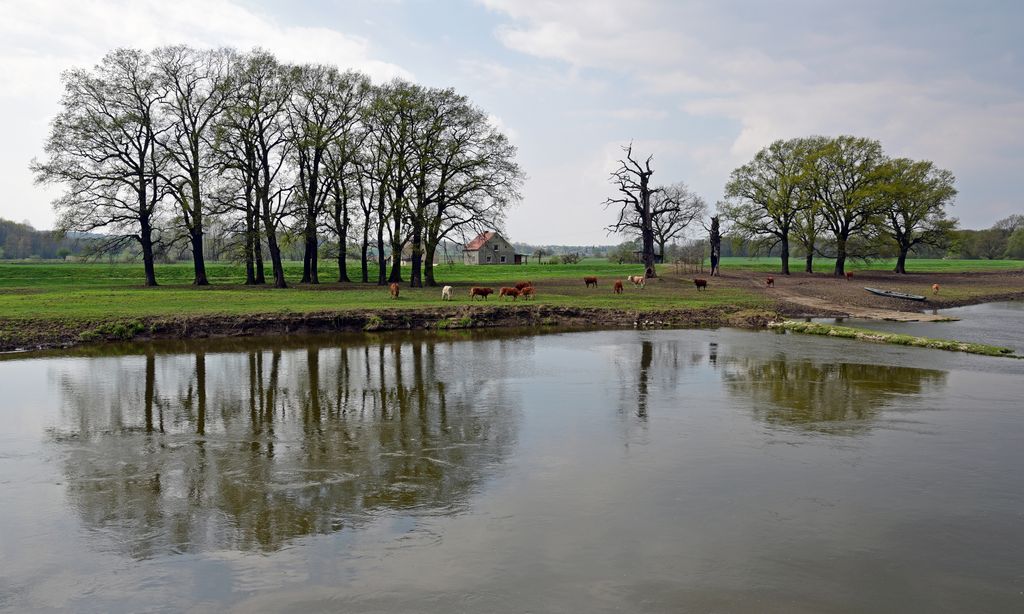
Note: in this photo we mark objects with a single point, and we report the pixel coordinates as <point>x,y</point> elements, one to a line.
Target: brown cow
<point>935,288</point>
<point>770,281</point>
<point>702,284</point>
<point>527,293</point>
<point>509,292</point>
<point>849,275</point>
<point>617,289</point>
<point>394,290</point>
<point>524,284</point>
<point>589,281</point>
<point>482,292</point>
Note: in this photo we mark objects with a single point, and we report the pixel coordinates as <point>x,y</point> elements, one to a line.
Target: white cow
<point>446,293</point>
<point>638,280</point>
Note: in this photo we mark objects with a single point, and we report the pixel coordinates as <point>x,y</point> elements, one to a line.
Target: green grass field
<point>99,290</point>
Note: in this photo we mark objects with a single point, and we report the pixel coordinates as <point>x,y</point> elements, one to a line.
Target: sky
<point>700,85</point>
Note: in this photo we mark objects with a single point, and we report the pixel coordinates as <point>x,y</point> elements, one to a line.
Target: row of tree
<point>841,194</point>
<point>155,145</point>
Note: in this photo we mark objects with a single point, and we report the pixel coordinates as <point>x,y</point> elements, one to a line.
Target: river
<point>617,471</point>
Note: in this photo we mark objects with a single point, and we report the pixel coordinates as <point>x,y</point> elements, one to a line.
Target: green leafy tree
<point>915,196</point>
<point>844,176</point>
<point>766,195</point>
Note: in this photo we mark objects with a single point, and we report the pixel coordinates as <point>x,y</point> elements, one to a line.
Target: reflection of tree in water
<point>827,397</point>
<point>662,363</point>
<point>249,450</point>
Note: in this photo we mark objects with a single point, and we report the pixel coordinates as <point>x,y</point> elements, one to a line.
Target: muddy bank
<point>21,335</point>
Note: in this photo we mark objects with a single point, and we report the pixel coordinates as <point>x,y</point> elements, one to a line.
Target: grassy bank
<point>846,332</point>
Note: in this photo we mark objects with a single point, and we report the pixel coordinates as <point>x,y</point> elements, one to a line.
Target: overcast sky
<point>702,86</point>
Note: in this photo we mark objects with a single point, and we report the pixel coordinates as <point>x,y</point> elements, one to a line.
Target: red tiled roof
<point>479,241</point>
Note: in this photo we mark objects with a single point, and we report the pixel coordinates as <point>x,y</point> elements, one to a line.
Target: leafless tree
<point>636,211</point>
<point>102,147</point>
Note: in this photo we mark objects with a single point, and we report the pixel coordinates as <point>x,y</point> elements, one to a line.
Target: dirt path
<point>820,305</point>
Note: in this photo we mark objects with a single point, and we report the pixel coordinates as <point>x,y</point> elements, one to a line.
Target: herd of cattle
<point>526,290</point>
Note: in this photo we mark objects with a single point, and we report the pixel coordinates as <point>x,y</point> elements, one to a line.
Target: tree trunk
<point>840,270</point>
<point>146,239</point>
<point>901,260</point>
<point>648,254</point>
<point>785,255</point>
<point>415,276</point>
<point>716,245</point>
<point>250,238</point>
<point>198,259</point>
<point>364,265</point>
<point>274,249</point>
<point>382,263</point>
<point>309,257</point>
<point>428,264</point>
<point>809,262</point>
<point>257,252</point>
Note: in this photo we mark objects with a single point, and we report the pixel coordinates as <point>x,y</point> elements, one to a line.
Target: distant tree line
<point>162,148</point>
<point>839,197</point>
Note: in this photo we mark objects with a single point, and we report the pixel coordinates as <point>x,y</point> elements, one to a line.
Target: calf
<point>770,281</point>
<point>527,293</point>
<point>481,292</point>
<point>590,281</point>
<point>702,284</point>
<point>638,280</point>
<point>935,288</point>
<point>509,292</point>
<point>524,284</point>
<point>394,290</point>
<point>617,289</point>
<point>446,293</point>
<point>849,275</point>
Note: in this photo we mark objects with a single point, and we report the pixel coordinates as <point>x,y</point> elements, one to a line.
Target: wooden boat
<point>894,294</point>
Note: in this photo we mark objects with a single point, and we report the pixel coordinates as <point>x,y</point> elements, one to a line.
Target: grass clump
<point>846,332</point>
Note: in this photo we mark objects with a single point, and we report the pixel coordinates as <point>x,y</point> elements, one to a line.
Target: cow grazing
<point>590,281</point>
<point>481,292</point>
<point>524,284</point>
<point>394,290</point>
<point>702,284</point>
<point>638,280</point>
<point>770,281</point>
<point>617,289</point>
<point>509,292</point>
<point>528,292</point>
<point>446,293</point>
<point>935,288</point>
<point>849,275</point>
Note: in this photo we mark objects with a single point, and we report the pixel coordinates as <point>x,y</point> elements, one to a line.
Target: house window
<point>502,259</point>
<point>488,259</point>
<point>495,248</point>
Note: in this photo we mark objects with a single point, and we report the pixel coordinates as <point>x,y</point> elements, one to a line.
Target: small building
<point>491,248</point>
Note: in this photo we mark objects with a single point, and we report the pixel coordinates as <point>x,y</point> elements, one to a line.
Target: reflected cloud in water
<point>199,451</point>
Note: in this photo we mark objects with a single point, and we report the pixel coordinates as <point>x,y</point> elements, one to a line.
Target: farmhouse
<point>491,248</point>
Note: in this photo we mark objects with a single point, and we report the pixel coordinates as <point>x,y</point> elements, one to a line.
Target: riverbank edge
<point>874,336</point>
<point>49,334</point>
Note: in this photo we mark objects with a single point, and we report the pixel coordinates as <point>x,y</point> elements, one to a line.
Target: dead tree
<point>636,212</point>
<point>716,245</point>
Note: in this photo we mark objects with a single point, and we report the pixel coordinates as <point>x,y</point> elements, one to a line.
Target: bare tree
<point>636,212</point>
<point>197,92</point>
<point>324,107</point>
<point>254,125</point>
<point>102,147</point>
<point>671,223</point>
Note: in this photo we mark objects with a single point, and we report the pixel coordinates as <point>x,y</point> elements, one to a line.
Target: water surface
<point>605,471</point>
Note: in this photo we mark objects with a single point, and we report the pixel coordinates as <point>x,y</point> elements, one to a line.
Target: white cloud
<point>38,40</point>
